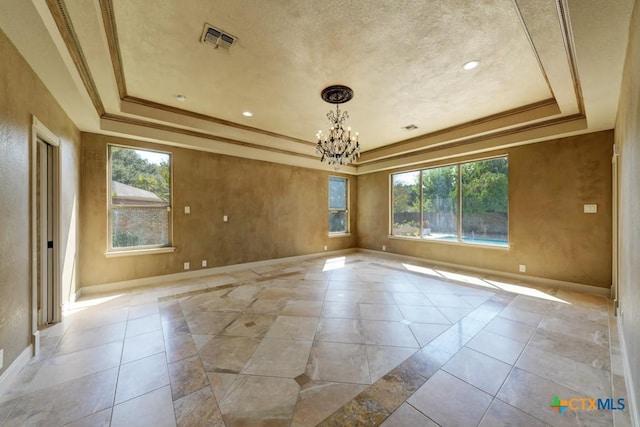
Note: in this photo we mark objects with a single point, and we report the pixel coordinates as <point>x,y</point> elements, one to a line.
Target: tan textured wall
<point>628,138</point>
<point>548,232</point>
<point>22,95</point>
<point>274,211</point>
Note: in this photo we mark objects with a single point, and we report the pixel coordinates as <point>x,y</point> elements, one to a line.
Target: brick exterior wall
<point>140,227</point>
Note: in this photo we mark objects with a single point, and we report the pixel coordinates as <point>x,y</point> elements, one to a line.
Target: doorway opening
<point>45,257</point>
<point>45,224</point>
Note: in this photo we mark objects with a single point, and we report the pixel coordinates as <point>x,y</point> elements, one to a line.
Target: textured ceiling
<point>403,60</point>
<point>548,68</point>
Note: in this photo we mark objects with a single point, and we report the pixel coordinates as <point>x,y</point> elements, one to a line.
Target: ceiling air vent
<point>217,38</point>
<point>410,127</point>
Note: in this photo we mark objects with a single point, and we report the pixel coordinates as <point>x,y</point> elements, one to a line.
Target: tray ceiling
<point>130,59</point>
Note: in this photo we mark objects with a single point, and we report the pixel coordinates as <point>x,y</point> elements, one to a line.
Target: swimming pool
<point>449,238</point>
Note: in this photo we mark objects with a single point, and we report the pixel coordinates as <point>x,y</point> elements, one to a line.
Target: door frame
<point>40,132</point>
<point>615,228</point>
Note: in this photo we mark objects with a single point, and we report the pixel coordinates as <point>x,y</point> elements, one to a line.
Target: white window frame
<point>346,232</point>
<point>143,249</point>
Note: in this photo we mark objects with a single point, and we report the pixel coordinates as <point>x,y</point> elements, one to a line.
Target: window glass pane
<point>139,227</point>
<point>485,192</point>
<point>440,203</point>
<point>406,204</point>
<point>338,222</point>
<point>139,177</point>
<point>140,188</point>
<point>337,193</point>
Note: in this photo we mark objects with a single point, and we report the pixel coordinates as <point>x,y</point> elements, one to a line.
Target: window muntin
<point>139,198</point>
<point>431,203</point>
<point>338,205</point>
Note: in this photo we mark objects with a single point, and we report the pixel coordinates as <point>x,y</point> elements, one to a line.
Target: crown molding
<point>132,128</point>
<point>509,138</point>
<point>525,124</point>
<point>65,27</point>
<point>516,116</point>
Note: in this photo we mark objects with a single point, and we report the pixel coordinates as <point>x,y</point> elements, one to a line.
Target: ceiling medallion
<point>338,147</point>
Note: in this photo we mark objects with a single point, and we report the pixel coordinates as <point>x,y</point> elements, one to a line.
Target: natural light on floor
<point>84,304</point>
<point>334,263</point>
<point>487,283</point>
<point>422,270</point>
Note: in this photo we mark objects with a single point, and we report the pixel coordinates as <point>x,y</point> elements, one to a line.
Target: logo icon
<point>587,404</point>
<point>559,405</point>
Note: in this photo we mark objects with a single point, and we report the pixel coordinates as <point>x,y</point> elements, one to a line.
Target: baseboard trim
<point>158,280</point>
<point>594,290</point>
<point>76,297</point>
<point>17,365</point>
<point>629,382</point>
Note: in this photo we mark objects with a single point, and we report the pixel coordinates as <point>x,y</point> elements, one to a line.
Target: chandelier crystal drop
<point>339,146</point>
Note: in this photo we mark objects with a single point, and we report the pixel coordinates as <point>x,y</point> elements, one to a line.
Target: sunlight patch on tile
<point>334,264</point>
<point>422,270</point>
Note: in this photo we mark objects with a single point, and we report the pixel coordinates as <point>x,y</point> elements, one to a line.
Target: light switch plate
<point>591,208</point>
<point>186,265</point>
<point>187,210</point>
<point>225,218</point>
<point>204,262</point>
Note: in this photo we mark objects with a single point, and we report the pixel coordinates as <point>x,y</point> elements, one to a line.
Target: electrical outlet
<point>204,262</point>
<point>1,358</point>
<point>187,210</point>
<point>384,248</point>
<point>186,265</point>
<point>225,218</point>
<point>325,247</point>
<point>523,268</point>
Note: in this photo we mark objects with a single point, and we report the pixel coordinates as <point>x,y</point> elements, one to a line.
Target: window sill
<point>150,251</point>
<point>332,235</point>
<point>448,242</point>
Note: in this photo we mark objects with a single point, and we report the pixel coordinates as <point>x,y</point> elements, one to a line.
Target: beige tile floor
<point>354,340</point>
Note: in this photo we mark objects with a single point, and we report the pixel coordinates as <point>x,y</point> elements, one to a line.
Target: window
<point>140,198</point>
<point>338,205</point>
<point>466,202</point>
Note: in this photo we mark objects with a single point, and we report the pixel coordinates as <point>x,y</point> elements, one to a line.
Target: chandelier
<point>338,147</point>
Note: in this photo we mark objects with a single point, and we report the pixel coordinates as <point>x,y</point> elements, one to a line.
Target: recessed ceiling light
<point>181,98</point>
<point>247,113</point>
<point>471,65</point>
